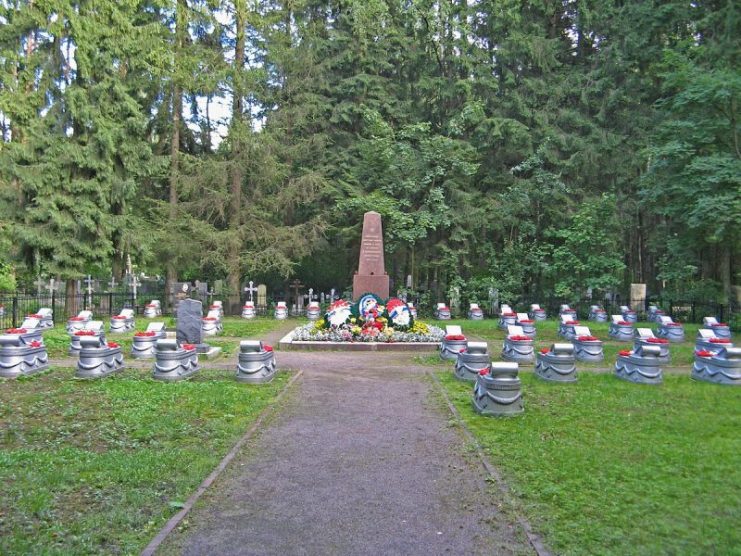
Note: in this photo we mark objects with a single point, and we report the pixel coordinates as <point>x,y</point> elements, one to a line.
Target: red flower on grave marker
<point>545,350</point>
<point>704,353</point>
<point>519,338</point>
<point>587,338</point>
<point>76,319</point>
<point>455,337</point>
<point>673,324</point>
<point>509,314</point>
<point>267,347</point>
<point>526,321</point>
<point>150,305</point>
<point>112,345</point>
<point>210,319</point>
<point>657,341</point>
<point>16,331</point>
<point>720,341</point>
<point>119,317</point>
<point>624,323</point>
<point>85,333</point>
<point>147,333</point>
<point>35,344</point>
<point>462,350</point>
<point>35,316</point>
<point>720,324</point>
<point>484,372</point>
<point>625,353</point>
<point>189,347</point>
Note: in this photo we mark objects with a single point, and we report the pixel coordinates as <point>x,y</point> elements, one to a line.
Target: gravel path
<point>360,460</point>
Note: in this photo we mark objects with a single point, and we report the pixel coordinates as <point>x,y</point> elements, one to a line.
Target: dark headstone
<point>190,313</point>
<point>371,276</point>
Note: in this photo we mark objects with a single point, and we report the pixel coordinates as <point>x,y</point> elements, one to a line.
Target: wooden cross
<point>250,289</point>
<point>295,285</point>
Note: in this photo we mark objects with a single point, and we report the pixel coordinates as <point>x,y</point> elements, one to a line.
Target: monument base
<point>370,283</point>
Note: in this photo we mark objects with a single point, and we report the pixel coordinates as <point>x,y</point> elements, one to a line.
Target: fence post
<point>110,304</point>
<point>720,316</point>
<point>53,305</point>
<point>693,312</point>
<point>15,310</point>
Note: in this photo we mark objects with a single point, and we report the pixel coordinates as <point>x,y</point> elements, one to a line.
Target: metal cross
<point>135,283</point>
<point>89,281</point>
<point>112,284</point>
<point>311,294</point>
<point>250,289</point>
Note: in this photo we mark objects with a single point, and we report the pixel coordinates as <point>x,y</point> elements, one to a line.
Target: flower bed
<point>418,333</point>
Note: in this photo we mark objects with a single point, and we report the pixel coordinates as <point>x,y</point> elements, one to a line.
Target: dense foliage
<point>527,146</point>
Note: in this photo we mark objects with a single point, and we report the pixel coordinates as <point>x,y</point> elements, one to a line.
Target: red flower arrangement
<point>16,331</point>
<point>625,353</point>
<point>509,314</point>
<point>657,341</point>
<point>462,350</point>
<point>544,350</point>
<point>85,333</point>
<point>35,344</point>
<point>572,323</point>
<point>210,319</point>
<point>526,321</point>
<point>519,338</point>
<point>150,305</point>
<point>35,316</point>
<point>112,345</point>
<point>720,341</point>
<point>673,324</point>
<point>76,319</point>
<point>119,317</point>
<point>484,372</point>
<point>704,353</point>
<point>267,347</point>
<point>189,347</point>
<point>214,307</point>
<point>455,338</point>
<point>624,323</point>
<point>720,324</point>
<point>148,333</point>
<point>587,339</point>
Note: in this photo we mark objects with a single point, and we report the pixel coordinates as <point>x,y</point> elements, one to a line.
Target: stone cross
<point>112,284</point>
<point>331,295</point>
<point>311,295</point>
<point>321,298</point>
<point>52,286</point>
<point>250,289</point>
<point>39,285</point>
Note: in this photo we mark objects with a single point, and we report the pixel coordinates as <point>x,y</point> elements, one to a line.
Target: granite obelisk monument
<point>371,275</point>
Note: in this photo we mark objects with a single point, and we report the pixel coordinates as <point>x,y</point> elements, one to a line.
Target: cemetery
<point>370,277</point>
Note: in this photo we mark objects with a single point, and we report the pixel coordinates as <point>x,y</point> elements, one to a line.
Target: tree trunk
<point>177,116</point>
<point>238,129</point>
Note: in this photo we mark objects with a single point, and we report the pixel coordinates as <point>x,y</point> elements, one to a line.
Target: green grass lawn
<point>99,466</point>
<point>608,467</point>
<point>682,354</point>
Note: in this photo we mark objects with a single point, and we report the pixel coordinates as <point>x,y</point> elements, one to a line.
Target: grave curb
<point>532,537</point>
<point>175,520</point>
<point>287,344</point>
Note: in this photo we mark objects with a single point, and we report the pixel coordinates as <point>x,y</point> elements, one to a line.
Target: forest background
<point>544,146</point>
